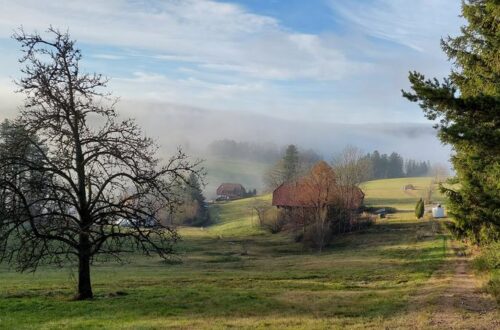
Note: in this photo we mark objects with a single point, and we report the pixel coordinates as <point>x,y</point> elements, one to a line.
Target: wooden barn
<point>294,194</point>
<point>228,191</point>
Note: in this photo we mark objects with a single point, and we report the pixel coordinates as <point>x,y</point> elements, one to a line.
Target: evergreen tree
<point>384,166</point>
<point>419,209</point>
<point>196,198</point>
<point>377,166</point>
<point>395,166</point>
<point>16,142</point>
<point>414,168</point>
<point>291,163</point>
<point>466,106</point>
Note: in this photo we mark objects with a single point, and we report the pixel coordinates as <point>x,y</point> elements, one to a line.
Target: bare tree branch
<point>68,187</point>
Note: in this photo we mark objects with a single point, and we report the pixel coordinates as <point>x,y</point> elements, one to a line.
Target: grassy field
<point>233,274</point>
<point>390,192</point>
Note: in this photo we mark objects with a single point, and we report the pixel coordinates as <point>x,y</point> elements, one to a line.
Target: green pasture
<point>236,275</point>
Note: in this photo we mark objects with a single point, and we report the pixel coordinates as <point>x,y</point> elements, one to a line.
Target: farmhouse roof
<point>230,188</point>
<point>295,194</point>
<point>303,194</point>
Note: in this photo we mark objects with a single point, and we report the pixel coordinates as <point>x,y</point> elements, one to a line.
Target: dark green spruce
<point>466,109</point>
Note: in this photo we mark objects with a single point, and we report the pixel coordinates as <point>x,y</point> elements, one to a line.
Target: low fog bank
<point>194,129</point>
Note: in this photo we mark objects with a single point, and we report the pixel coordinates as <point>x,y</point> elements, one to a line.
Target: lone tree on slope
<point>94,176</point>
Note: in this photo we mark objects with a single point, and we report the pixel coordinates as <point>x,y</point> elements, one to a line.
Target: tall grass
<point>488,262</point>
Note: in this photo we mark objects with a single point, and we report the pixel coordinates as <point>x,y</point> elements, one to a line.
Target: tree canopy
<point>76,173</point>
<point>466,108</point>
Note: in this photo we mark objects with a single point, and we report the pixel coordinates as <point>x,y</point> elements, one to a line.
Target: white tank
<point>438,211</point>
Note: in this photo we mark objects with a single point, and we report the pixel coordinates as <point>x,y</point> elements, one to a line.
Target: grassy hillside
<point>220,170</point>
<point>233,274</point>
<point>390,192</point>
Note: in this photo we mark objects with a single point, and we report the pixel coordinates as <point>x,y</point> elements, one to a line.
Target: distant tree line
<point>384,166</point>
<point>417,168</point>
<point>263,152</point>
<point>244,150</point>
<point>294,163</point>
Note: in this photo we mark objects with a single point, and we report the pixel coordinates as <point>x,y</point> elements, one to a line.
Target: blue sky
<point>327,61</point>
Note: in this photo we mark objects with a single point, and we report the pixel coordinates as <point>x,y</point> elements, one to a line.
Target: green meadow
<point>235,275</point>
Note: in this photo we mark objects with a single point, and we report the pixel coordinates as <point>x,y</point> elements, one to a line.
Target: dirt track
<point>453,299</point>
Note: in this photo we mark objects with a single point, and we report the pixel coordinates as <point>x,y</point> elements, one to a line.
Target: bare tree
<point>322,189</point>
<point>440,172</point>
<point>274,176</point>
<point>351,169</point>
<point>97,171</point>
<point>268,217</point>
<point>428,193</point>
<point>351,166</point>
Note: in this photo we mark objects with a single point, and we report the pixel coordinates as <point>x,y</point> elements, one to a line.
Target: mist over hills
<point>194,129</point>
<point>174,125</point>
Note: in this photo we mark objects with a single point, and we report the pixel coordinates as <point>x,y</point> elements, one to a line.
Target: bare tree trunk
<point>84,283</point>
<point>323,214</point>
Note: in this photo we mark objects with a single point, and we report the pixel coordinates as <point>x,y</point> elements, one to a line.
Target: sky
<point>317,72</point>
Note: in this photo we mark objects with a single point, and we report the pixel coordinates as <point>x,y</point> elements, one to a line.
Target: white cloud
<point>191,90</point>
<point>108,56</point>
<point>218,36</point>
<point>414,23</point>
<point>221,56</point>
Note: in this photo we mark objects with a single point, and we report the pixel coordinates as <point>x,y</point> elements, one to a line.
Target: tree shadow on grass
<point>217,291</point>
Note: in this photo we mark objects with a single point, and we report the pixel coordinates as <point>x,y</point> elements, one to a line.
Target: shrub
<point>299,236</point>
<point>365,220</point>
<point>271,219</point>
<point>318,235</point>
<point>493,286</point>
<point>489,261</point>
<point>419,209</point>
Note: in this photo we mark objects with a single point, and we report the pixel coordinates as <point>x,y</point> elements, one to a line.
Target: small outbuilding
<point>438,211</point>
<point>409,187</point>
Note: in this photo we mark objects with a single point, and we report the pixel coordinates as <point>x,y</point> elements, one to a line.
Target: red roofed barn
<point>318,189</point>
<point>318,206</point>
<point>302,194</point>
